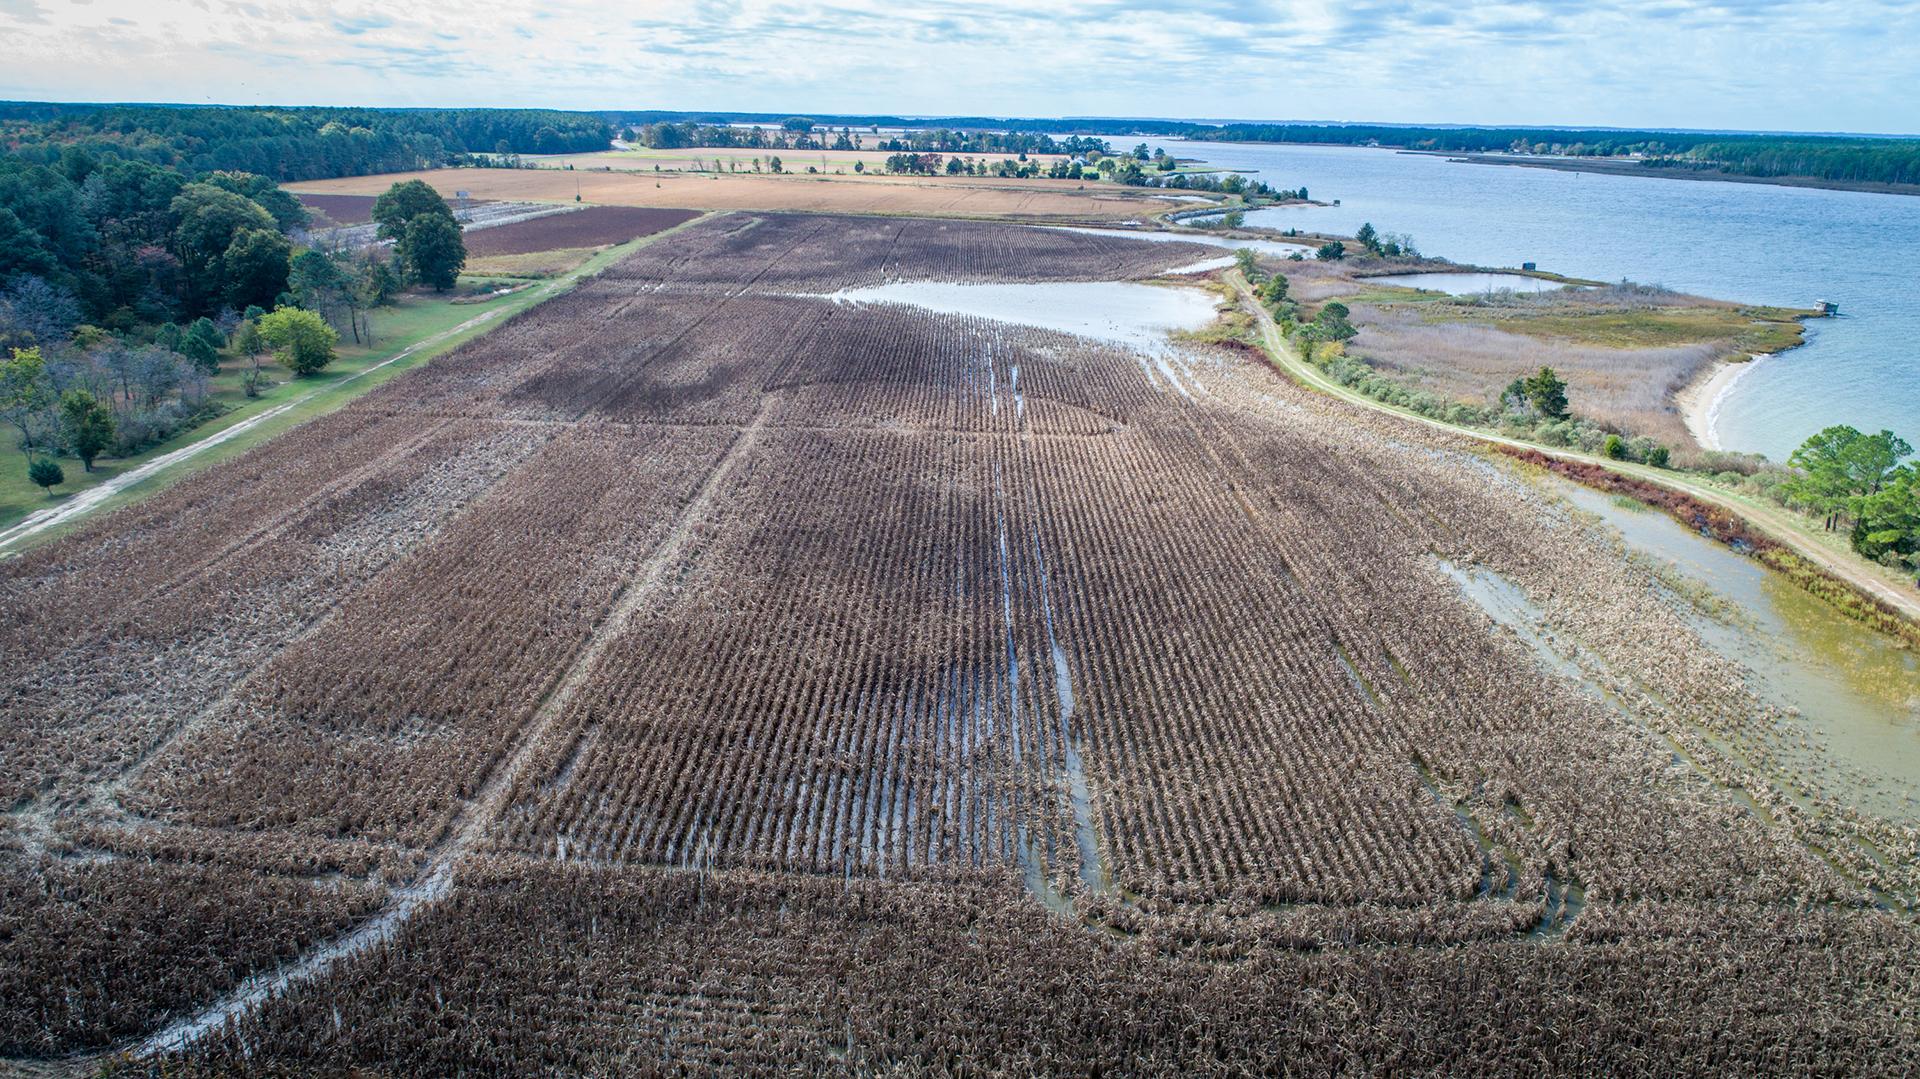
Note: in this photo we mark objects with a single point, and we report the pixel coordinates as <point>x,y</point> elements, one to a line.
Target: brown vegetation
<point>800,685</point>
<point>330,210</point>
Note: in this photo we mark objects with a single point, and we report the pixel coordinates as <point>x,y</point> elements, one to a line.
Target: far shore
<point>1613,166</point>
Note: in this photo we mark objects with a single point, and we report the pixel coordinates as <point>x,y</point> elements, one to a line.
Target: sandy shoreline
<point>1700,399</point>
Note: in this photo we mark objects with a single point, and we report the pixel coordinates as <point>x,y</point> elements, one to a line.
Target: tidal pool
<point>1468,284</point>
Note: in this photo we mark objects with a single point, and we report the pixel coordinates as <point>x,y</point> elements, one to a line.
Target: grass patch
<point>1748,329</point>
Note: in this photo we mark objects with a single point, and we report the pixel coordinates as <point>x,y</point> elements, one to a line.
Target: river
<point>1748,242</point>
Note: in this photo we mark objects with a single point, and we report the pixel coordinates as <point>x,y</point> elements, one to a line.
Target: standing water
<point>1851,696</point>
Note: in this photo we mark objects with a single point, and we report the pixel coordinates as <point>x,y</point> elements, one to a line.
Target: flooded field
<point>1468,284</point>
<point>1276,248</point>
<point>1849,698</point>
<point>1124,312</point>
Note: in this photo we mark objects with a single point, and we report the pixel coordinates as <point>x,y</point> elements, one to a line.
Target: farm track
<point>698,674</point>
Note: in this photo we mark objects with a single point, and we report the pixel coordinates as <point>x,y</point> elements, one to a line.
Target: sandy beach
<point>1700,399</point>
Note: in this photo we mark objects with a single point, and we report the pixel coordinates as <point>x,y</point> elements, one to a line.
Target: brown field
<point>595,226</point>
<point>944,196</point>
<point>340,209</point>
<point>699,674</point>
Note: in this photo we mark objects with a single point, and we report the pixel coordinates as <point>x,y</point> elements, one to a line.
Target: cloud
<point>1696,63</point>
<point>28,11</point>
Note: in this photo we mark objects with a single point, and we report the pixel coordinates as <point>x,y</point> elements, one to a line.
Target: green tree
<point>202,343</point>
<point>1615,448</point>
<point>1887,522</point>
<point>1332,324</point>
<point>210,219</point>
<point>1248,261</point>
<point>46,472</point>
<point>383,285</point>
<point>255,267</point>
<point>1274,291</point>
<point>1840,465</point>
<point>25,390</point>
<point>1368,238</point>
<point>301,339</point>
<point>433,250</point>
<point>1658,455</point>
<point>314,279</point>
<point>1547,393</point>
<point>1332,251</point>
<point>402,203</point>
<point>88,424</point>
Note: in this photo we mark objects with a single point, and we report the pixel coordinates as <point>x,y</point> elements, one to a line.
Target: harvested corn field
<point>707,672</point>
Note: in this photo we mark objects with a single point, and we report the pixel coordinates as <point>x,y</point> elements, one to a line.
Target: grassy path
<point>214,442</point>
<point>1806,540</point>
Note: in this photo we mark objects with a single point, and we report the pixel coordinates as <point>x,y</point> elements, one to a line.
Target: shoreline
<point>1700,399</point>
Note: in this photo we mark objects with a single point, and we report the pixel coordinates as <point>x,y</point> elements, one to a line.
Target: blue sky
<point>1760,64</point>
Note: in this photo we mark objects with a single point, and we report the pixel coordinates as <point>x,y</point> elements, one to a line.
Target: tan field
<point>947,197</point>
<point>695,158</point>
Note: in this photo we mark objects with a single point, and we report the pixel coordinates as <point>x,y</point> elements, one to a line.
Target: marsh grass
<point>1629,389</point>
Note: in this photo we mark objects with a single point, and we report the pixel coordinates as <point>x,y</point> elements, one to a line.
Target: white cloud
<point>1730,63</point>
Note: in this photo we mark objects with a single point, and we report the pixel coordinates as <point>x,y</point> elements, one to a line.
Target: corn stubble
<point>791,685</point>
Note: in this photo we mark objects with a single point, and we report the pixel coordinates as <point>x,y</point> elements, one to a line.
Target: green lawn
<point>416,318</point>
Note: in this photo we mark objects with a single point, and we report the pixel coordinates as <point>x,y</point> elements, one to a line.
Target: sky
<point>1779,65</point>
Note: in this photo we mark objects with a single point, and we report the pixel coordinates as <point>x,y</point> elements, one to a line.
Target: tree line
<point>1827,158</point>
<point>1846,158</point>
<point>288,144</point>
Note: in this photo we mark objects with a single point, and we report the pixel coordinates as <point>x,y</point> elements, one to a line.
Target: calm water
<point>1750,242</point>
<point>1468,284</point>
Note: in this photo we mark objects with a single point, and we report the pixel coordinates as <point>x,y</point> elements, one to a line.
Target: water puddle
<point>1468,284</point>
<point>1124,312</point>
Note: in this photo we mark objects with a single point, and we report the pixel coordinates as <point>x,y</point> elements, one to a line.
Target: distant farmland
<point>958,196</point>
<point>703,673</point>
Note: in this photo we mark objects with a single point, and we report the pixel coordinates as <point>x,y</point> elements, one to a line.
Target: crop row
<point>595,972</point>
<point>376,724</point>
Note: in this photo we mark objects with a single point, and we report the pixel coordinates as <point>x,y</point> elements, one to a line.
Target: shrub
<point>46,472</point>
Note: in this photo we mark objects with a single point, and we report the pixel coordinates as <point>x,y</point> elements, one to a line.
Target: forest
<point>289,144</point>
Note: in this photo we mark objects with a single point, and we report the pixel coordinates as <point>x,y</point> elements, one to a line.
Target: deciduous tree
<point>87,423</point>
<point>433,250</point>
<point>301,339</point>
